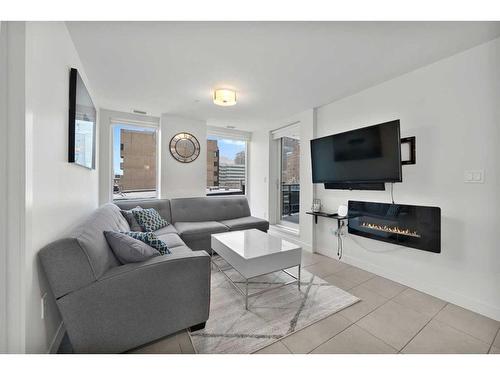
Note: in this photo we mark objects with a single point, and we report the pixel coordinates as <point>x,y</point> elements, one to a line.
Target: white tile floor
<point>391,318</point>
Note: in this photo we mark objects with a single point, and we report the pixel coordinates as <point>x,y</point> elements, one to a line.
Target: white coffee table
<point>255,253</point>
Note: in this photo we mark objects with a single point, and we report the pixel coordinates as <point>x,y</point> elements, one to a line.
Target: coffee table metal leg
<point>298,277</point>
<point>246,294</point>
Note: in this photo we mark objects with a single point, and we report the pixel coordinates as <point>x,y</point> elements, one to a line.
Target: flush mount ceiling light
<point>224,97</point>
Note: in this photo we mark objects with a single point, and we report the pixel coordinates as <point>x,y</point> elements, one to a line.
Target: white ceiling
<point>277,68</point>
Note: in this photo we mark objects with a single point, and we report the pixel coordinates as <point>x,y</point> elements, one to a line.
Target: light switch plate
<point>475,176</point>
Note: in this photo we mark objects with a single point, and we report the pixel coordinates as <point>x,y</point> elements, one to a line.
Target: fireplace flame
<point>388,229</point>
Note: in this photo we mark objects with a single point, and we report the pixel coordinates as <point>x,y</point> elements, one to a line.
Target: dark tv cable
<point>392,192</point>
<point>340,240</point>
<point>340,249</point>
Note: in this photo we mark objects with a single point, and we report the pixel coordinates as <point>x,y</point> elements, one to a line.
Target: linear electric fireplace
<point>413,226</point>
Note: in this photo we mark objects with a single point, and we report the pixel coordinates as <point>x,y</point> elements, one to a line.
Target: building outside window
<point>226,166</point>
<point>212,163</point>
<point>134,162</point>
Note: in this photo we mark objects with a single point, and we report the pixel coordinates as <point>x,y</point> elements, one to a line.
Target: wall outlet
<point>43,305</point>
<point>474,176</point>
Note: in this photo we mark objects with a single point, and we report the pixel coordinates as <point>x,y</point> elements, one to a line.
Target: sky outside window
<point>228,148</point>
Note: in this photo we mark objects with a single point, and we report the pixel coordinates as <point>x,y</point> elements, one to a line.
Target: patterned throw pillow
<point>150,239</point>
<point>149,219</point>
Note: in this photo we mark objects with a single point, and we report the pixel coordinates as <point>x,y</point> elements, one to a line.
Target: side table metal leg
<point>298,277</point>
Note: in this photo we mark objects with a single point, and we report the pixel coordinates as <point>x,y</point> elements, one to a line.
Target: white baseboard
<point>437,291</point>
<point>56,341</point>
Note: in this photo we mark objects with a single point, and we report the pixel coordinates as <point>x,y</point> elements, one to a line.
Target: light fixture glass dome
<point>225,97</point>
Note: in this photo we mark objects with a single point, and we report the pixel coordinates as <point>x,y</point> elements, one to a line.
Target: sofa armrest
<point>66,266</point>
<point>138,303</point>
<point>152,263</point>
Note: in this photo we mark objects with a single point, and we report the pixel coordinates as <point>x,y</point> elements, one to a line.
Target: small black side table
<point>329,215</point>
<point>341,222</point>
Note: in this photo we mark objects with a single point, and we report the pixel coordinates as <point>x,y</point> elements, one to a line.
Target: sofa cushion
<point>209,208</point>
<point>180,250</point>
<point>150,239</point>
<point>247,222</point>
<point>128,249</point>
<point>132,221</point>
<point>90,236</point>
<point>172,240</point>
<point>149,219</point>
<point>201,228</point>
<point>166,230</point>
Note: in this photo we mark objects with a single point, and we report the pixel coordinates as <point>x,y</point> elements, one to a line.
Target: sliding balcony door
<point>289,181</point>
<point>286,172</point>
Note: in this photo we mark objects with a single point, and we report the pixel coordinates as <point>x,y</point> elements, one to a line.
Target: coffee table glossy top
<point>253,243</point>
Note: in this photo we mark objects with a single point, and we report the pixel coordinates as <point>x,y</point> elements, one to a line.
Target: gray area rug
<point>270,316</point>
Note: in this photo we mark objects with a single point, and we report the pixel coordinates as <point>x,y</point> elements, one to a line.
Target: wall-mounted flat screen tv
<point>82,123</point>
<point>370,154</point>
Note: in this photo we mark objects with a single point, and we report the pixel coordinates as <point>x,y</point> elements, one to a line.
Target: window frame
<point>136,124</point>
<point>235,135</point>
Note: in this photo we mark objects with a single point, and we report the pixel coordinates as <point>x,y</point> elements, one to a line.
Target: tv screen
<point>371,154</point>
<point>82,123</point>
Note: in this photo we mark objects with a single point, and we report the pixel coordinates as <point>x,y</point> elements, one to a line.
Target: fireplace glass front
<point>418,227</point>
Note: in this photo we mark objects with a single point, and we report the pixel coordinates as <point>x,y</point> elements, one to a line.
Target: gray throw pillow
<point>132,221</point>
<point>128,249</point>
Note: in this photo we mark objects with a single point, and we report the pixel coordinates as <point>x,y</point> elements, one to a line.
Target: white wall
<point>183,179</point>
<point>307,130</point>
<point>106,117</point>
<point>452,107</point>
<point>3,187</point>
<point>15,184</point>
<point>59,194</point>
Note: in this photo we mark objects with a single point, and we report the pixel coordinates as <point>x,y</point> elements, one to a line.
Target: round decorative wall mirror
<point>184,147</point>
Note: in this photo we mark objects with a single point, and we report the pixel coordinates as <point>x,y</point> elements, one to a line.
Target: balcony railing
<point>290,197</point>
<point>237,188</point>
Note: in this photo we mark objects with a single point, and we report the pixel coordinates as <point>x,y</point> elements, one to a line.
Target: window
<point>134,162</point>
<point>226,166</point>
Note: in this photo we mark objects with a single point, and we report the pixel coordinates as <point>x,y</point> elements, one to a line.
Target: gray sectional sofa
<point>108,307</point>
<point>195,219</point>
